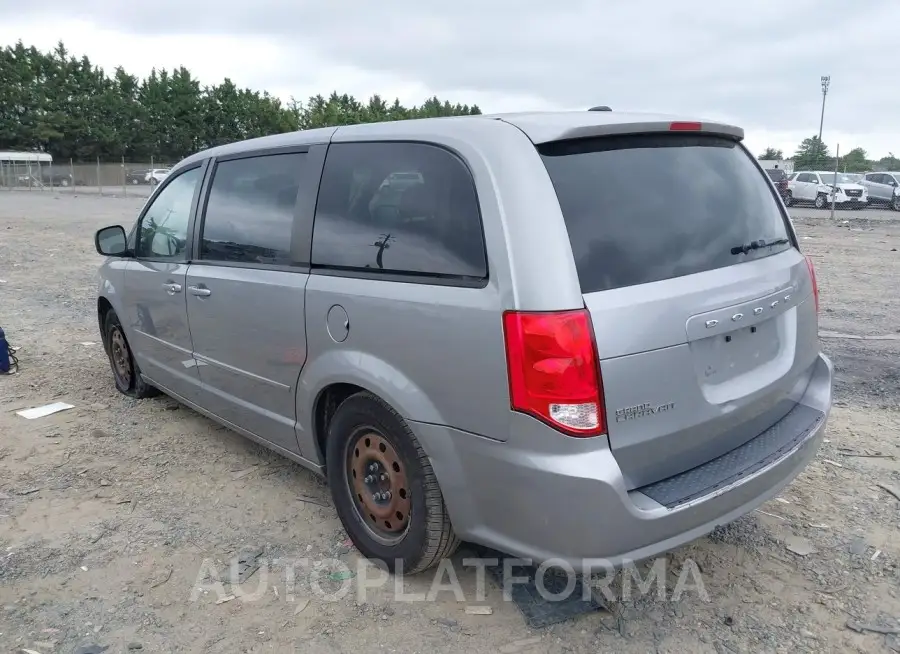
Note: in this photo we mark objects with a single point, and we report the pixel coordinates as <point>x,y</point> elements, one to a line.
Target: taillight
<point>683,126</point>
<point>554,374</point>
<point>812,278</point>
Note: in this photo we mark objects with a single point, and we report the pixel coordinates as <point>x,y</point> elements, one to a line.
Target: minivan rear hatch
<point>701,303</point>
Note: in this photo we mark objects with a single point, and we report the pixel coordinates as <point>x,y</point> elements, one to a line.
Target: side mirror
<point>111,241</point>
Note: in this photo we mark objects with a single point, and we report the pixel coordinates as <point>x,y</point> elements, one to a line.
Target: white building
<point>18,158</point>
<point>23,168</point>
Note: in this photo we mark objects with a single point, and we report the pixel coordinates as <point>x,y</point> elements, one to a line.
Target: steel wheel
<point>377,481</point>
<point>121,359</point>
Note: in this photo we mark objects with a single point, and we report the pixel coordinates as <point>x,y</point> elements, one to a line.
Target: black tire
<point>788,199</point>
<point>427,536</point>
<point>126,372</point>
<point>895,203</point>
<point>821,201</point>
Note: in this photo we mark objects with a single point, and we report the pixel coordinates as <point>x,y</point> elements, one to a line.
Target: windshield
<point>828,178</point>
<point>649,207</point>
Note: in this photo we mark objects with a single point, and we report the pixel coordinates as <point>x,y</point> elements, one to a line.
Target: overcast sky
<point>754,63</point>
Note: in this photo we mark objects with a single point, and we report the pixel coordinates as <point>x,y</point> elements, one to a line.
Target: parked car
<point>819,187</point>
<point>45,178</point>
<point>883,188</point>
<point>156,175</point>
<point>141,176</point>
<point>146,175</point>
<point>779,179</point>
<point>56,178</point>
<point>528,350</point>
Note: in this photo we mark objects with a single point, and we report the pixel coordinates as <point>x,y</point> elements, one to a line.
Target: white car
<point>156,175</point>
<point>820,187</point>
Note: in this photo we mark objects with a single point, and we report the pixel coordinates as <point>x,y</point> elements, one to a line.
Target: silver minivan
<point>585,336</point>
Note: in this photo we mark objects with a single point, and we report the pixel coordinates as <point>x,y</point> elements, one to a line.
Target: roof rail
<point>601,107</point>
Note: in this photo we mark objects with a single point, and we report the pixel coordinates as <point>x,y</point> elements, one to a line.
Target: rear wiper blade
<point>755,245</point>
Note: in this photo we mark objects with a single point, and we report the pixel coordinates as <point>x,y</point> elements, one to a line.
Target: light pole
<point>826,80</point>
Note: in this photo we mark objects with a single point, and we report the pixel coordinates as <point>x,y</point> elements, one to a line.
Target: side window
<point>250,211</point>
<point>162,233</point>
<point>398,208</point>
<point>892,179</point>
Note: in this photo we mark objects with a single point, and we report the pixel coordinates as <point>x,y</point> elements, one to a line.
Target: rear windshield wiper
<point>755,245</point>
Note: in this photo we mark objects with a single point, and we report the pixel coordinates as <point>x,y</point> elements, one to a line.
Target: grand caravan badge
<point>642,411</point>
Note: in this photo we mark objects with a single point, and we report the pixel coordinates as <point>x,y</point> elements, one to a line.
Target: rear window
<point>643,208</point>
<point>776,174</point>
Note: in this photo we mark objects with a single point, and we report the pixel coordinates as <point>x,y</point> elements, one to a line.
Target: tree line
<point>66,106</point>
<point>813,154</point>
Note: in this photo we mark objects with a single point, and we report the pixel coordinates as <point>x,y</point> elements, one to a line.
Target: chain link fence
<point>113,178</point>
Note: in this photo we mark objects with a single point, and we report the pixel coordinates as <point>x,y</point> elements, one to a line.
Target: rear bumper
<point>526,499</point>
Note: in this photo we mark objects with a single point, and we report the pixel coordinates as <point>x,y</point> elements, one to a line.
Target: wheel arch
<point>324,407</point>
<point>104,306</point>
<point>338,374</point>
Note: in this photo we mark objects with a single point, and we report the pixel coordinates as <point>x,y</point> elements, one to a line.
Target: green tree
<point>855,161</point>
<point>812,154</point>
<point>771,153</point>
<point>61,104</point>
<point>889,162</point>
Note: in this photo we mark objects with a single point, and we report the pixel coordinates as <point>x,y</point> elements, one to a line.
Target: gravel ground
<point>113,513</point>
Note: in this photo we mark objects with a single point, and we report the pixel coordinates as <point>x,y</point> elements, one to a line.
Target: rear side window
<point>645,208</point>
<point>401,208</point>
<point>250,211</point>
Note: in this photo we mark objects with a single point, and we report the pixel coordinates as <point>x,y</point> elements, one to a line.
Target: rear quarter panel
<point>436,353</point>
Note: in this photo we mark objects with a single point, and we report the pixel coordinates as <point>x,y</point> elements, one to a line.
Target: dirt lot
<point>111,512</point>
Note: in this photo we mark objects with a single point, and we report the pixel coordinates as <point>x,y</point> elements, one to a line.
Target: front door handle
<point>172,288</point>
<point>200,292</point>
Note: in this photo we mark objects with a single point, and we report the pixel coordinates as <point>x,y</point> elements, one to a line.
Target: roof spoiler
<point>600,107</point>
